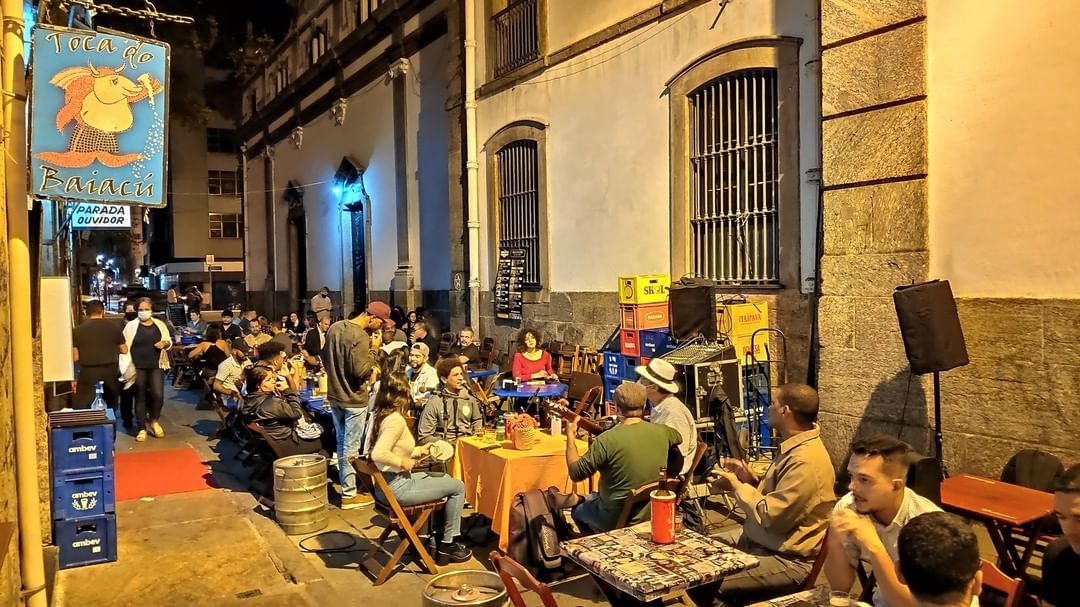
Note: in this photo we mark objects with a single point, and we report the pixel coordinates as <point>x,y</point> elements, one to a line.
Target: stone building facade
<point>924,141</point>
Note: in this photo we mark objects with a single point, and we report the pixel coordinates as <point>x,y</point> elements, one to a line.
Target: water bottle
<point>99,397</point>
<point>500,429</point>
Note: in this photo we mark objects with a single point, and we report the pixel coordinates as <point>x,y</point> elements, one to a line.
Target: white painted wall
<point>432,171</point>
<point>608,138</point>
<point>1003,128</point>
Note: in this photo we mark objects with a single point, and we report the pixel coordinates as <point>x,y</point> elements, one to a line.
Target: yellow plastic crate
<point>644,288</point>
<point>742,320</point>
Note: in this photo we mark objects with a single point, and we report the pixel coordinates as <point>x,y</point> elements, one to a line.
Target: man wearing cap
<point>423,378</point>
<point>658,377</point>
<point>350,371</point>
<point>626,456</point>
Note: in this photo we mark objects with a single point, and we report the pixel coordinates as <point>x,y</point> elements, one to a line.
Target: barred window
<point>221,141</point>
<point>515,35</point>
<point>734,179</point>
<point>517,165</point>
<point>224,225</point>
<point>223,183</point>
<point>281,77</point>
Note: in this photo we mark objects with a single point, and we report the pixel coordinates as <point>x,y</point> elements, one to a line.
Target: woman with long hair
<point>393,450</point>
<point>411,319</point>
<point>213,350</point>
<point>272,403</point>
<point>148,342</point>
<point>530,362</point>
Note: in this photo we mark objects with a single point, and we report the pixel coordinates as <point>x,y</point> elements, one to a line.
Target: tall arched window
<point>518,200</point>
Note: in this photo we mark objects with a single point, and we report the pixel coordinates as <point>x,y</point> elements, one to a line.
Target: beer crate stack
<point>644,331</point>
<point>84,491</point>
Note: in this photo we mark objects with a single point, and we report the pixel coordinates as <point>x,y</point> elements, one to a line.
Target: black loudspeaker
<point>924,477</point>
<point>933,338</point>
<point>692,304</point>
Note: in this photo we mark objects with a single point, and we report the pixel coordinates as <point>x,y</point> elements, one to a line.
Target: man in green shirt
<point>626,456</point>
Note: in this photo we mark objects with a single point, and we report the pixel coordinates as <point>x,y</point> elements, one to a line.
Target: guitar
<point>561,408</point>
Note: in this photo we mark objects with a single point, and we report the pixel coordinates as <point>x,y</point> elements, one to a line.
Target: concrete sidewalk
<point>221,547</point>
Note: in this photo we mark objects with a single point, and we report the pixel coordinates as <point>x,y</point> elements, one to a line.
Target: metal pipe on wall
<point>13,81</point>
<point>472,166</point>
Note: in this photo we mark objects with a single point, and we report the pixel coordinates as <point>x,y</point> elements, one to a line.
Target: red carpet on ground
<point>152,473</point>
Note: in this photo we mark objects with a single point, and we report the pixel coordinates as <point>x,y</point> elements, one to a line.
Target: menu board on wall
<point>508,281</point>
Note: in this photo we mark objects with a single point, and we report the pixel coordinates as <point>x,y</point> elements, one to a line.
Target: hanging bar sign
<point>99,116</point>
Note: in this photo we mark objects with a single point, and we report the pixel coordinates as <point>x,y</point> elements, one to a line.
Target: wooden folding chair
<point>686,479</point>
<point>487,352</point>
<point>405,520</point>
<point>997,581</point>
<point>445,343</point>
<point>637,497</point>
<point>819,563</point>
<point>510,570</point>
<point>182,369</point>
<point>264,451</point>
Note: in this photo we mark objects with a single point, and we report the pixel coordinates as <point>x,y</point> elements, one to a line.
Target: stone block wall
<point>583,318</point>
<point>1020,388</point>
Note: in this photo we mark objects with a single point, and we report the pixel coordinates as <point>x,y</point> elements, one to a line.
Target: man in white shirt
<point>866,523</point>
<point>658,377</point>
<point>422,376</point>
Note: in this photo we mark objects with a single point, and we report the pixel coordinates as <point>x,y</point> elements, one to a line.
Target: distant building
<point>204,215</point>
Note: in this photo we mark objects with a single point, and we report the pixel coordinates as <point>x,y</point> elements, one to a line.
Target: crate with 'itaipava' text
<point>86,541</point>
<point>83,495</point>
<point>78,449</point>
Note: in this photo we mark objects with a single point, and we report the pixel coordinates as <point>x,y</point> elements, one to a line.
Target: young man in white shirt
<point>423,379</point>
<point>866,523</point>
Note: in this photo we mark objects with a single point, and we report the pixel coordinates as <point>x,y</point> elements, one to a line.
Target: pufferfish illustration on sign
<point>99,109</point>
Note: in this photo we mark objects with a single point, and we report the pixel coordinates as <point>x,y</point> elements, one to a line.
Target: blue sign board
<point>99,117</point>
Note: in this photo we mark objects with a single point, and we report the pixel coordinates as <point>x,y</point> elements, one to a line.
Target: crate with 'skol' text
<point>644,289</point>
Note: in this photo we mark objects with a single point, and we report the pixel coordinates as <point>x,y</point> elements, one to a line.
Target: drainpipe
<point>472,166</point>
<point>247,224</point>
<point>13,81</point>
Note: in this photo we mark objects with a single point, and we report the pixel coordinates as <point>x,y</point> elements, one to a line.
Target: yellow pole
<point>13,81</point>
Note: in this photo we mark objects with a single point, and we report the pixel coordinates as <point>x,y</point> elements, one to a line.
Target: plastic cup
<point>838,598</point>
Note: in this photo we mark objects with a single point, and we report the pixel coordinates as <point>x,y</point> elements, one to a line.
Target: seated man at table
<point>1062,560</point>
<point>281,336</point>
<point>196,325</point>
<point>230,373</point>
<point>939,561</point>
<point>423,379</point>
<point>255,336</point>
<point>452,411</point>
<point>467,350</point>
<point>626,456</point>
<point>229,330</point>
<point>787,510</point>
<point>866,522</point>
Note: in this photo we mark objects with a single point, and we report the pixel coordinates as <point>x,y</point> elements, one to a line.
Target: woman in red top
<point>532,363</point>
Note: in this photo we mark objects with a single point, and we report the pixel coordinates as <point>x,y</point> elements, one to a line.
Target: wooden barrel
<point>300,499</point>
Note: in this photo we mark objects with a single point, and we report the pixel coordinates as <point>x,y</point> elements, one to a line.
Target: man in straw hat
<point>658,377</point>
<point>626,456</point>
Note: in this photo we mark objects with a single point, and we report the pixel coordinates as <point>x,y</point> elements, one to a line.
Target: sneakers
<point>357,501</point>
<point>157,430</point>
<point>454,552</point>
<point>141,436</point>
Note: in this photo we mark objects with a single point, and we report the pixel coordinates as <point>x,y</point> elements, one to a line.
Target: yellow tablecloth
<point>493,475</point>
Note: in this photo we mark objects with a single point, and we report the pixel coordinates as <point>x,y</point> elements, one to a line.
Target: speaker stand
<point>939,439</point>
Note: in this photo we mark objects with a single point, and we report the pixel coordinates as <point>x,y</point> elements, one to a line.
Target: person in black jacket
<point>272,402</point>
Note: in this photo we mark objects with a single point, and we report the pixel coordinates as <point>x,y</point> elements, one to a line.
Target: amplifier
<point>700,380</point>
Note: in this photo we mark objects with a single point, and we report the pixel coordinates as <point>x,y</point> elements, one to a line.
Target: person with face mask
<point>322,305</point>
<point>272,402</point>
<point>452,411</point>
<point>148,340</point>
<point>866,522</point>
<point>127,374</point>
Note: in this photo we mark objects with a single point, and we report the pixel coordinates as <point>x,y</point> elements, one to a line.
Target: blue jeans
<point>349,426</point>
<point>419,487</point>
<point>587,516</point>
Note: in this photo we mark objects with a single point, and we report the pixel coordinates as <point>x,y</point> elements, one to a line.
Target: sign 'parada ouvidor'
<point>99,117</point>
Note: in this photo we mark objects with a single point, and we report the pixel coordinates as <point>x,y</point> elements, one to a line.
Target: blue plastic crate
<point>655,342</point>
<point>84,495</point>
<point>610,383</point>
<point>78,449</point>
<point>86,541</point>
<point>630,363</point>
<point>613,362</point>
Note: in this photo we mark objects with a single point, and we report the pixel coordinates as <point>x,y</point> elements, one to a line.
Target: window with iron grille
<point>734,179</point>
<point>281,77</point>
<point>221,141</point>
<point>515,35</point>
<point>517,164</point>
<point>226,225</point>
<point>223,183</point>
